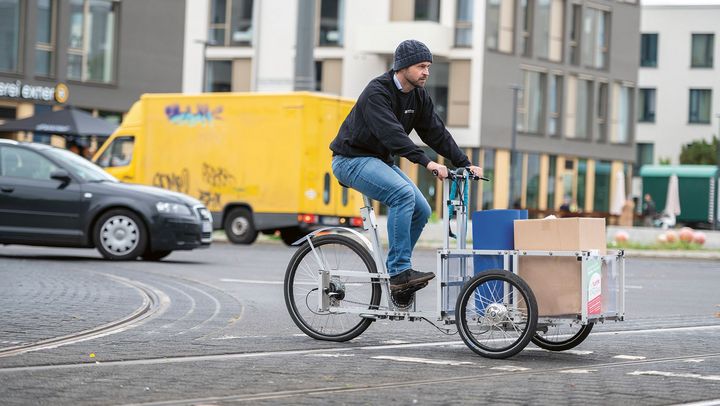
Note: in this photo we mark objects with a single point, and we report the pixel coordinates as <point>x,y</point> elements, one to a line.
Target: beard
<point>420,82</point>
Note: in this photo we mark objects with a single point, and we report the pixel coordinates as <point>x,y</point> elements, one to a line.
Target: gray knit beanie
<point>410,52</point>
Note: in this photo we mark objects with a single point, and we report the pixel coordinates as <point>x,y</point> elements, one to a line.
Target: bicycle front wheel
<point>338,253</point>
<point>496,314</point>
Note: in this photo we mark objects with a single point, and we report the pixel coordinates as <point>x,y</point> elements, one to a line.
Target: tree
<point>699,152</point>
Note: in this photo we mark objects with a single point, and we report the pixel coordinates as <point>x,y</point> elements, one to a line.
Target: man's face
<point>417,74</point>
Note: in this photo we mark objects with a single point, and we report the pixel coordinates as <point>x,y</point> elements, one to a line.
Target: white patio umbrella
<point>672,201</point>
<point>618,200</point>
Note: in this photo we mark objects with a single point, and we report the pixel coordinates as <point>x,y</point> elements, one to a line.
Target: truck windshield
<point>80,166</point>
<point>119,153</point>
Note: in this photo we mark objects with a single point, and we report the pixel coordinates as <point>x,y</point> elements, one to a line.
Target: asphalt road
<point>211,327</point>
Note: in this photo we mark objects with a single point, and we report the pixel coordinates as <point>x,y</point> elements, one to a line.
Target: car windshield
<point>80,166</point>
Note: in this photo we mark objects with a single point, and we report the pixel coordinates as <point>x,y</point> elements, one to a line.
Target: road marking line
<point>712,402</point>
<point>423,360</point>
<point>695,360</point>
<point>258,282</point>
<point>676,375</point>
<point>578,371</point>
<point>335,355</point>
<point>510,368</point>
<point>629,357</point>
<point>395,342</point>
<point>574,352</point>
<point>237,337</point>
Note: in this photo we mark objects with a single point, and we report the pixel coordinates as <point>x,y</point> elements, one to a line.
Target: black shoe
<point>408,279</point>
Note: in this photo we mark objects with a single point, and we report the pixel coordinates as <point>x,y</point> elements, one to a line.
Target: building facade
<point>97,55</point>
<point>679,80</point>
<point>574,63</point>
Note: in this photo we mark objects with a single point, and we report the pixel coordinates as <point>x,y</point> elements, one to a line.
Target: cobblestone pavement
<point>223,336</point>
<point>60,302</point>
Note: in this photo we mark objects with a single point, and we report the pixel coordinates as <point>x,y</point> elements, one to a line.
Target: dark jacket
<point>379,123</point>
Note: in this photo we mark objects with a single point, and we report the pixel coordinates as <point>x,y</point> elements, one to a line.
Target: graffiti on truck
<point>173,181</point>
<point>217,176</point>
<point>202,114</point>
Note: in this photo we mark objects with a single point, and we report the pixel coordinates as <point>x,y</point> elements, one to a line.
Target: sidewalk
<point>432,237</point>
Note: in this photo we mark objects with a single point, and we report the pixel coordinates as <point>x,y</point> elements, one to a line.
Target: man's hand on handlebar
<point>476,171</point>
<point>441,171</point>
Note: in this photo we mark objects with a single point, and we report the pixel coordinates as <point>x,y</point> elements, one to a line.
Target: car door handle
<point>7,189</point>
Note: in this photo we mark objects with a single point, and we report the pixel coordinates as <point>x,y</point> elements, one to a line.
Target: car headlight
<point>172,208</point>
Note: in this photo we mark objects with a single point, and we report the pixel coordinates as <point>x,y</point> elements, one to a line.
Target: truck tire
<point>291,234</point>
<point>120,235</point>
<point>239,226</point>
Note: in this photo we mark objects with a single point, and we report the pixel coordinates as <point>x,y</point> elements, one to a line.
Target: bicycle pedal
<point>409,290</point>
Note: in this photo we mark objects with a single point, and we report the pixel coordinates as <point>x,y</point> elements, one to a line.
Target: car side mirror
<point>62,175</point>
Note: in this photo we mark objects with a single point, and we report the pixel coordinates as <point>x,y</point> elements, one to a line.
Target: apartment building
<point>679,80</point>
<point>575,63</point>
<point>97,55</point>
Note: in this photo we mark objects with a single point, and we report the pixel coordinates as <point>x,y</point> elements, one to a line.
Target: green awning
<point>687,171</point>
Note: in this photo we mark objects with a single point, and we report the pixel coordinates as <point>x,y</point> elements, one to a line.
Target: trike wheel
<point>301,288</point>
<point>496,314</point>
<point>562,336</point>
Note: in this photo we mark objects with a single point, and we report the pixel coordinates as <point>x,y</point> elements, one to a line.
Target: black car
<point>53,197</point>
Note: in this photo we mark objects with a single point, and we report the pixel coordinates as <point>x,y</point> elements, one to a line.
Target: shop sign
<point>19,90</point>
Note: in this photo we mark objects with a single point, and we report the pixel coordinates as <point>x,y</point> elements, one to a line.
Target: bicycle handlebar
<point>460,172</point>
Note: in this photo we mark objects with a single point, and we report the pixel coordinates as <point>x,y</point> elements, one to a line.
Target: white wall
<point>196,30</point>
<point>673,78</point>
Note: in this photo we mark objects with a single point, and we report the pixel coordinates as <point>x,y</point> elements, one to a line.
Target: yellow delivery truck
<point>259,162</point>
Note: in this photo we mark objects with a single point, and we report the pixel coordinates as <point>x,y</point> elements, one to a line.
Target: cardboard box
<point>556,281</point>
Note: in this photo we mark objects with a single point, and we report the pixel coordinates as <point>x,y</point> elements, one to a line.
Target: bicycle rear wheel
<point>496,314</point>
<point>338,252</point>
<point>561,337</point>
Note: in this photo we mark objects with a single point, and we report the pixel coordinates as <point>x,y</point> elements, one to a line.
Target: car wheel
<point>239,226</point>
<point>120,235</point>
<point>155,255</point>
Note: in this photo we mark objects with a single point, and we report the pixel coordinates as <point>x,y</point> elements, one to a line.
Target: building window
<point>623,122</point>
<point>575,28</point>
<point>526,35</point>
<point>463,23</point>
<point>489,172</point>
<point>552,170</point>
<point>532,190</point>
<point>602,110</point>
<point>331,22</point>
<point>500,27</point>
<point>595,47</point>
<point>581,184</point>
<point>437,88</point>
<point>549,29</point>
<point>45,38</point>
<point>583,112</point>
<point>601,202</point>
<point>531,103</point>
<point>700,105</point>
<point>702,50</point>
<point>645,153</point>
<point>235,30</point>
<point>427,10</point>
<point>9,35</point>
<point>555,106</point>
<point>218,76</point>
<point>648,50</point>
<point>646,105</point>
<point>91,55</point>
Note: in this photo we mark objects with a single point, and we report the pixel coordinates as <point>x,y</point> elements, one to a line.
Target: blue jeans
<point>408,211</point>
